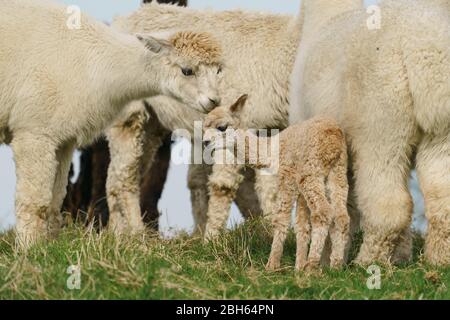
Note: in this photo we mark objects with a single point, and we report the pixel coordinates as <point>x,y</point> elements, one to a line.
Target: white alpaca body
<point>250,41</point>
<point>46,68</point>
<point>390,91</point>
<point>61,88</point>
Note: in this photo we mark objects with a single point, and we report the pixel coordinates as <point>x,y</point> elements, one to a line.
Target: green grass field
<point>145,267</point>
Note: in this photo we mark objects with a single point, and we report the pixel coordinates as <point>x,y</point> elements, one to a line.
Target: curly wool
<point>200,47</point>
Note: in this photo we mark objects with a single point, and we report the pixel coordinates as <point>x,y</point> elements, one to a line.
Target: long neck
<point>125,72</point>
<point>316,13</point>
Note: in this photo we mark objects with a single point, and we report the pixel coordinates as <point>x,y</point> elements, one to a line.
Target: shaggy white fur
<point>390,91</point>
<point>61,87</point>
<point>250,41</point>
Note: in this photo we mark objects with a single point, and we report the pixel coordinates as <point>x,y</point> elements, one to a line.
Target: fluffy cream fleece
<point>61,87</point>
<point>311,165</point>
<point>389,89</point>
<point>250,41</point>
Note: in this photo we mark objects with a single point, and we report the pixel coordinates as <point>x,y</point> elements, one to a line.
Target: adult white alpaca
<point>61,87</point>
<point>389,87</point>
<point>250,41</point>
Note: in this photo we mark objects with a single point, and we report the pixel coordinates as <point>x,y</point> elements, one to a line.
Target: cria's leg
<point>198,185</point>
<point>340,229</point>
<point>313,189</point>
<point>303,233</point>
<point>282,219</point>
<point>267,189</point>
<point>126,140</point>
<point>64,156</point>
<point>223,184</point>
<point>433,167</point>
<point>36,167</point>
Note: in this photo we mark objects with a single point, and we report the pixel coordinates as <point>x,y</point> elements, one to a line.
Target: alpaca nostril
<point>215,101</point>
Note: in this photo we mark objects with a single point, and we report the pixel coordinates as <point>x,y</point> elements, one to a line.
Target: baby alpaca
<point>313,172</point>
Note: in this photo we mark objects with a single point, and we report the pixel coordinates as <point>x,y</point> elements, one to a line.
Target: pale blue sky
<point>175,203</point>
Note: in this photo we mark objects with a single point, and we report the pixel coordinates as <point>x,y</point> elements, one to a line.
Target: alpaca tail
<point>427,60</point>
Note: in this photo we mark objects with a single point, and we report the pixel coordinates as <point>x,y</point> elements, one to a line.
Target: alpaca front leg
<point>64,156</point>
<point>433,167</point>
<point>281,220</point>
<point>223,184</point>
<point>314,191</point>
<point>303,233</point>
<point>267,189</point>
<point>198,185</point>
<point>36,166</point>
<point>126,141</point>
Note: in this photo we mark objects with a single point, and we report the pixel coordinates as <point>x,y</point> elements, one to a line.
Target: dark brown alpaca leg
<point>86,198</point>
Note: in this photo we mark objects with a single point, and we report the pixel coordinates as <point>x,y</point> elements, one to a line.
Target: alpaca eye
<point>187,72</point>
<point>219,71</point>
<point>222,128</point>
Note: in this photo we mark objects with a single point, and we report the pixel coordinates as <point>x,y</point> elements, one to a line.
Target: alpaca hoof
<point>312,265</point>
<point>300,266</point>
<point>336,263</point>
<point>273,265</point>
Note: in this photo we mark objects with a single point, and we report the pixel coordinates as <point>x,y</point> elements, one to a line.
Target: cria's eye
<point>222,128</point>
<point>187,72</point>
<point>219,71</point>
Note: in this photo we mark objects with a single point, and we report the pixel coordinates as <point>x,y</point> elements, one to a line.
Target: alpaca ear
<point>239,104</point>
<point>153,44</point>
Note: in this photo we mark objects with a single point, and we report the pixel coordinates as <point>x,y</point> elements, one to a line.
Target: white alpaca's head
<point>189,67</point>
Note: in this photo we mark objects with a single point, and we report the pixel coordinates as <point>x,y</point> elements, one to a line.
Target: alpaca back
<point>249,41</point>
<point>318,142</point>
<point>427,60</point>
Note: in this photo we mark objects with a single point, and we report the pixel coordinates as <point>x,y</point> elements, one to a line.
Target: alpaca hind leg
<point>314,191</point>
<point>383,195</point>
<point>36,167</point>
<point>340,229</point>
<point>433,167</point>
<point>303,233</point>
<point>281,221</point>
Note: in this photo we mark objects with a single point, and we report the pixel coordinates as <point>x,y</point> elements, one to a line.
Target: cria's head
<point>222,119</point>
<point>190,67</point>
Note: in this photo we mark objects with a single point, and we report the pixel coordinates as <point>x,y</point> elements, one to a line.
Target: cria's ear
<point>239,104</point>
<point>154,44</point>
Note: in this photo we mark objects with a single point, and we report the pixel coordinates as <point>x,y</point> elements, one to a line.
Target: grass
<point>144,267</point>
